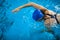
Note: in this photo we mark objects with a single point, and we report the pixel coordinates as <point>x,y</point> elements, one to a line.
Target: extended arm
<point>30,4</point>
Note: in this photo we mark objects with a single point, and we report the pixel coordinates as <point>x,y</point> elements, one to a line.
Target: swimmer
<point>50,18</point>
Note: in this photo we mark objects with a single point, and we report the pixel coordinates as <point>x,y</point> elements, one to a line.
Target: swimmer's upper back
<point>50,12</point>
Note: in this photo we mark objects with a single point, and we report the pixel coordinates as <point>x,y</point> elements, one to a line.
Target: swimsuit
<point>55,16</point>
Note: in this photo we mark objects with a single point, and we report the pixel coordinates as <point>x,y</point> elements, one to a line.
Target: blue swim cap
<point>37,15</point>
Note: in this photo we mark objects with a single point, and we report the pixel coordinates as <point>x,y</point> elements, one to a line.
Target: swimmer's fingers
<point>15,10</point>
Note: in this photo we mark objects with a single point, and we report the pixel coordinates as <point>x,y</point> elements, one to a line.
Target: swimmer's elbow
<point>38,6</point>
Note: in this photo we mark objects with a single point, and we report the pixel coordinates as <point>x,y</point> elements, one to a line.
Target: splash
<point>57,8</point>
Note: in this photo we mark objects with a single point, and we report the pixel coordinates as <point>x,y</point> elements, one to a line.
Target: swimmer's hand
<point>15,10</point>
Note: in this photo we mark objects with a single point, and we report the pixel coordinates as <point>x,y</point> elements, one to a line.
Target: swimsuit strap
<point>55,16</point>
<point>51,15</point>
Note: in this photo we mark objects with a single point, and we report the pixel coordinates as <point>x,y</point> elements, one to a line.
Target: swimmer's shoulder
<point>50,12</point>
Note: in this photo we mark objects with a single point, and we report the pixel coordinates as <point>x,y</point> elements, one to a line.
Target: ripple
<point>57,7</point>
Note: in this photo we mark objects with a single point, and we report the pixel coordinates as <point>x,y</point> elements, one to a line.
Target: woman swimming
<point>50,18</point>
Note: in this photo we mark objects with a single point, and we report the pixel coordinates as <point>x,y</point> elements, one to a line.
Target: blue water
<point>20,25</point>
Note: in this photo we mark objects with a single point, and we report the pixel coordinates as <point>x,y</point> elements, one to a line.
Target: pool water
<point>21,26</point>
